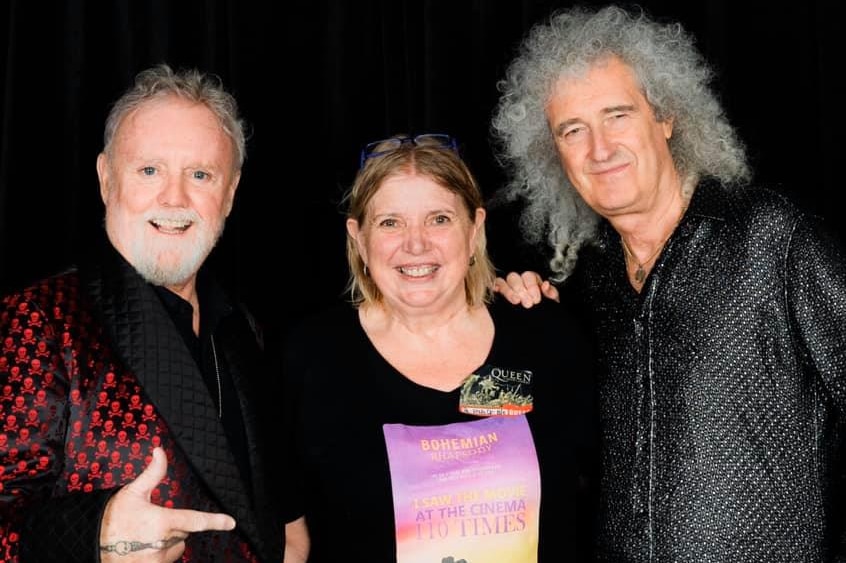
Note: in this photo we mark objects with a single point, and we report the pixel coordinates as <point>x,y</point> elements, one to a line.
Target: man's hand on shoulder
<point>525,289</point>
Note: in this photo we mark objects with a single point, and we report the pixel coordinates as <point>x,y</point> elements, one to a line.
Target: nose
<point>173,192</point>
<point>416,239</point>
<point>600,147</point>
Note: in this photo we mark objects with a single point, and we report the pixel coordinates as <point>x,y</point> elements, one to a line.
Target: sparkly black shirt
<point>723,388</point>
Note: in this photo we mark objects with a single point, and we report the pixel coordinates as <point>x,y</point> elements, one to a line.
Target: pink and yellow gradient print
<point>468,490</point>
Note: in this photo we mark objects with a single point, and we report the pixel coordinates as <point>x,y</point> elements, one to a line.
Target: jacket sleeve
<point>816,297</point>
<point>34,526</point>
<point>65,528</point>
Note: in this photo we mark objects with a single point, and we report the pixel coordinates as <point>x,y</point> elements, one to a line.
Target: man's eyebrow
<point>622,107</point>
<point>605,111</point>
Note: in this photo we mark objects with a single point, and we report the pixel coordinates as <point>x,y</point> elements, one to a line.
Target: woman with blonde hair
<point>425,418</point>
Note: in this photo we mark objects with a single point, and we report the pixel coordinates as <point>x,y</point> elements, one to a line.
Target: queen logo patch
<point>496,391</point>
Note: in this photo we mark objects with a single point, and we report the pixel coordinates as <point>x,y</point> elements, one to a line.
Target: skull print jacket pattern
<point>93,375</point>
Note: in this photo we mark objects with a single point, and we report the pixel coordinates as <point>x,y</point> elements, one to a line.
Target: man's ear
<point>103,175</point>
<point>667,125</point>
<point>230,192</point>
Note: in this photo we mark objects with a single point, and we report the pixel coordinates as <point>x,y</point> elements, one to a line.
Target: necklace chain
<point>217,375</point>
<point>640,272</point>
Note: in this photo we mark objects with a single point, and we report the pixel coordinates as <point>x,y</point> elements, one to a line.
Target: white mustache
<point>175,216</point>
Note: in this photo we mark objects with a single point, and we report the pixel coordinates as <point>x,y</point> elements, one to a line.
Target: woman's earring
<point>473,260</point>
<point>366,271</point>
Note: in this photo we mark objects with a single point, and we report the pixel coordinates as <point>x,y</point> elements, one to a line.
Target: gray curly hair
<point>674,78</point>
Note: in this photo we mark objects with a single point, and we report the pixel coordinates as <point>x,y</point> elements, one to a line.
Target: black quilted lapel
<point>245,381</point>
<point>144,337</point>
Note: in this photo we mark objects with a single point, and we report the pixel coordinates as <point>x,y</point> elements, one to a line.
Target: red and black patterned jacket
<point>93,375</point>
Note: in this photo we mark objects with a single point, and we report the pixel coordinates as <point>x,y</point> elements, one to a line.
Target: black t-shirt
<point>340,392</point>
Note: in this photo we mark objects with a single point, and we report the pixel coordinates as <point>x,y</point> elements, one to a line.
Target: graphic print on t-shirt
<point>497,391</point>
<point>468,491</point>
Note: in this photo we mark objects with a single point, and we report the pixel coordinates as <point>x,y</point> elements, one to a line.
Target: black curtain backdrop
<point>316,80</point>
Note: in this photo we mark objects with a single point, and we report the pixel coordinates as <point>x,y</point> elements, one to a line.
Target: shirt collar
<point>214,305</point>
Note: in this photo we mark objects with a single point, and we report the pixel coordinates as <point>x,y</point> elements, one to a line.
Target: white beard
<point>160,259</point>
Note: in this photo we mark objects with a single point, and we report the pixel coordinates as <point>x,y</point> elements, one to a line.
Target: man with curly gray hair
<point>719,308</point>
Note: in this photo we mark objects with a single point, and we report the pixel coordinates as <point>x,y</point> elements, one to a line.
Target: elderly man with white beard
<point>193,485</point>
